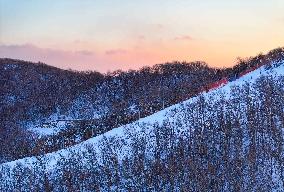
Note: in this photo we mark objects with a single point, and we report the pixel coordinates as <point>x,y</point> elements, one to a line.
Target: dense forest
<point>33,92</point>
<point>215,144</point>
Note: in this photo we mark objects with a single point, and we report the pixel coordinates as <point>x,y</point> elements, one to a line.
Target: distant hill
<point>34,90</point>
<point>34,93</point>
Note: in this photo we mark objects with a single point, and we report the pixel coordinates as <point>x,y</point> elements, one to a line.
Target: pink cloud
<point>78,60</point>
<point>141,37</point>
<point>85,52</point>
<point>184,37</point>
<point>160,26</point>
<point>82,59</point>
<point>77,41</point>
<point>115,51</point>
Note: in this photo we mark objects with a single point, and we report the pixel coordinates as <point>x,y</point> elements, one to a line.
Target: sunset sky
<point>106,35</point>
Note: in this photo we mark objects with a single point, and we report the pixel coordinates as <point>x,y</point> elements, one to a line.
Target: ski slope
<point>120,134</point>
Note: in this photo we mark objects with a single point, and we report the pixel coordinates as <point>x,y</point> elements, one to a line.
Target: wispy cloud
<point>183,37</point>
<point>77,41</point>
<point>160,26</point>
<point>141,37</point>
<point>102,61</point>
<point>79,60</point>
<point>27,50</point>
<point>85,52</point>
<point>116,51</point>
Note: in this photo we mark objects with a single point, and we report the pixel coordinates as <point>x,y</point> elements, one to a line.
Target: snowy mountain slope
<point>121,134</point>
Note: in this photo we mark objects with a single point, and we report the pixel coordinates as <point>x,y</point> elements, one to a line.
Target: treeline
<point>243,64</point>
<point>126,96</point>
<point>216,144</point>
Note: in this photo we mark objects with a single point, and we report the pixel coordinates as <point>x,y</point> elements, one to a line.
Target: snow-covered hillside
<point>182,119</point>
<point>156,118</point>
